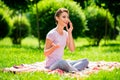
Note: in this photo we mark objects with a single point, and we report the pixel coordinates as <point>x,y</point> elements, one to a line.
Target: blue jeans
<point>70,66</point>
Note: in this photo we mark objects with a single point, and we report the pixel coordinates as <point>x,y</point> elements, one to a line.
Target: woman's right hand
<point>55,45</point>
<point>50,47</point>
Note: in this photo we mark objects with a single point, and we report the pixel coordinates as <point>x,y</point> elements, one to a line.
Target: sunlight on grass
<point>32,42</point>
<point>6,41</point>
<point>105,75</point>
<point>27,42</point>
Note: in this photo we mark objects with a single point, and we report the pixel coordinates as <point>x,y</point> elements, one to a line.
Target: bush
<point>96,22</point>
<point>46,11</point>
<point>4,24</point>
<point>21,29</point>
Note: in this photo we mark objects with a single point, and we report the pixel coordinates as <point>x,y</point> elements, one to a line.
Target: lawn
<point>29,53</point>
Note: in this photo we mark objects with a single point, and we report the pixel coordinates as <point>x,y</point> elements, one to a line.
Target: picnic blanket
<point>93,67</point>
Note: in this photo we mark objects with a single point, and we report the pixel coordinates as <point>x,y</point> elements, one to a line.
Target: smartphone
<point>68,25</point>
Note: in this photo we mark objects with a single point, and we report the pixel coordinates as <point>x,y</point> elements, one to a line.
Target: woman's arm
<point>70,41</point>
<point>49,47</point>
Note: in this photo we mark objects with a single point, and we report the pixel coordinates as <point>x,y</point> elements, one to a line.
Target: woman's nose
<point>68,20</point>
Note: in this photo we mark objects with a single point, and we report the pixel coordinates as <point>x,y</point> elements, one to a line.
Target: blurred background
<point>92,19</point>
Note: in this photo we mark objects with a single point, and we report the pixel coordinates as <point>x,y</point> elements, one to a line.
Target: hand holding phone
<point>68,25</point>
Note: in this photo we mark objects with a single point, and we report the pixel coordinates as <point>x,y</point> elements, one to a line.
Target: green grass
<point>105,75</point>
<point>29,53</point>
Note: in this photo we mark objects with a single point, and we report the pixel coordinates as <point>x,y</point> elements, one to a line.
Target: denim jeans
<point>70,66</point>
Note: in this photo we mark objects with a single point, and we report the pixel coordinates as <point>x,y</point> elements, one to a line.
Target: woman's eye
<point>64,16</point>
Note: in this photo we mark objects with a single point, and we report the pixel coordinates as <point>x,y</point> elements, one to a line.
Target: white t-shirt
<point>56,38</point>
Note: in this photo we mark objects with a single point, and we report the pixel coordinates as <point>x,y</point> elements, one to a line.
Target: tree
<point>97,19</point>
<point>23,28</point>
<point>47,11</point>
<point>113,6</point>
<point>19,6</point>
<point>84,3</point>
<point>4,24</point>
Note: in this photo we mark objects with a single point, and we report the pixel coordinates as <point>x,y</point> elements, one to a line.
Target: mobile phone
<point>68,25</point>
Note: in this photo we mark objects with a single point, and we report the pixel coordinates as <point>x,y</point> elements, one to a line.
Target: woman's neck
<point>59,29</point>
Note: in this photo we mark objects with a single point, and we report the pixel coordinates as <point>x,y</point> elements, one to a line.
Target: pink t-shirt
<point>56,38</point>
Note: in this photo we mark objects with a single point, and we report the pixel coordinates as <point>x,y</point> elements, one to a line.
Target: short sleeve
<point>51,36</point>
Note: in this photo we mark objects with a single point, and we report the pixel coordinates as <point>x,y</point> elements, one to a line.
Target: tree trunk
<point>37,17</point>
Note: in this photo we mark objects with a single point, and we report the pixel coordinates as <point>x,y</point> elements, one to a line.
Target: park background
<point>25,23</point>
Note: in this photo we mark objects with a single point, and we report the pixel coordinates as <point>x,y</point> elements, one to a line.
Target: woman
<point>56,40</point>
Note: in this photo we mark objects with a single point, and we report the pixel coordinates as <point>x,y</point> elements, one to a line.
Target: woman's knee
<point>86,61</point>
<point>61,64</point>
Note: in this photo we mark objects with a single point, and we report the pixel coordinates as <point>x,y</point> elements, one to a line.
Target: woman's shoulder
<point>52,31</point>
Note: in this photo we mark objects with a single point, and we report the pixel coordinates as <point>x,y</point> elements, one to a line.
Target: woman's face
<point>63,19</point>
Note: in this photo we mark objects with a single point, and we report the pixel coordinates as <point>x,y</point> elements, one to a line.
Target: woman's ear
<point>56,18</point>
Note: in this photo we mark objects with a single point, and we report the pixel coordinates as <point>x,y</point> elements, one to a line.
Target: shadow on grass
<point>20,47</point>
<point>107,48</point>
<point>112,45</point>
<point>86,46</point>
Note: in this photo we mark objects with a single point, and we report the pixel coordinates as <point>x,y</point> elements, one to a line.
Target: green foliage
<point>19,4</point>
<point>16,4</point>
<point>99,22</point>
<point>113,5</point>
<point>118,23</point>
<point>85,3</point>
<point>46,12</point>
<point>4,24</point>
<point>21,29</point>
